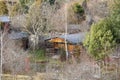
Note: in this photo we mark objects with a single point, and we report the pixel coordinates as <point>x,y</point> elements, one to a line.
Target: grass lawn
<point>38,55</point>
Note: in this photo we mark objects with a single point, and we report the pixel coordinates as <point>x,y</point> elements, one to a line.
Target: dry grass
<point>39,76</point>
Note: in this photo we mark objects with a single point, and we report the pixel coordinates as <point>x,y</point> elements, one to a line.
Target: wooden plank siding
<point>59,43</point>
<point>57,40</point>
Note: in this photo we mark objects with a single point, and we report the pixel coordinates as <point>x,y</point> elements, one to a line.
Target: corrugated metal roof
<point>18,35</point>
<point>4,19</point>
<point>74,38</point>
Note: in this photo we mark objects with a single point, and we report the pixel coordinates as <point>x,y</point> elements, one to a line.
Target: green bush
<point>39,54</point>
<point>52,2</point>
<point>76,13</point>
<point>77,8</point>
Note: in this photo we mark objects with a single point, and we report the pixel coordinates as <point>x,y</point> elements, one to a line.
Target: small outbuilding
<point>20,39</point>
<point>5,23</point>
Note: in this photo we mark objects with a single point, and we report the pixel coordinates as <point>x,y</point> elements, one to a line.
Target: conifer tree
<point>101,39</point>
<point>105,34</point>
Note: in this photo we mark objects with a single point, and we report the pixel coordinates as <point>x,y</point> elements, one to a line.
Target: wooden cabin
<point>74,42</point>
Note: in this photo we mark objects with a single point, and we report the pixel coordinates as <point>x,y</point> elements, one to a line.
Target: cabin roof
<point>18,35</point>
<point>74,38</point>
<point>4,19</point>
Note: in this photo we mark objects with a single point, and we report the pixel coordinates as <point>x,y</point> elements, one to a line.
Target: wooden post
<point>27,62</point>
<point>1,42</point>
<point>66,47</point>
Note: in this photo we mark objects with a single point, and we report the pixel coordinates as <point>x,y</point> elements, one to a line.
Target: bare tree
<point>38,21</point>
<point>13,56</point>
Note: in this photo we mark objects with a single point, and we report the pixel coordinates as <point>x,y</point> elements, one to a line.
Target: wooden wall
<point>60,43</point>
